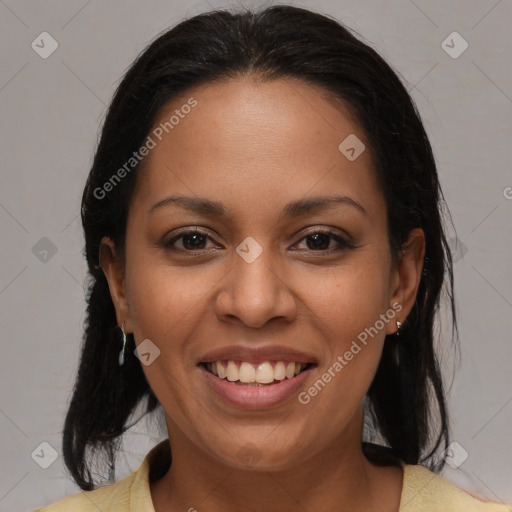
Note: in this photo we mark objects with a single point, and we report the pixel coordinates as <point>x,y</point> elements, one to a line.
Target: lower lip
<point>254,397</point>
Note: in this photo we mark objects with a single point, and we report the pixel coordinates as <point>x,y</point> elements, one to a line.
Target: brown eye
<point>192,240</point>
<point>320,241</point>
<point>316,241</point>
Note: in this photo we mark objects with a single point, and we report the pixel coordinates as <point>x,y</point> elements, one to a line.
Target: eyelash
<point>344,243</point>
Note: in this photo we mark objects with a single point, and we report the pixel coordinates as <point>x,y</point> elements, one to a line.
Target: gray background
<point>51,110</point>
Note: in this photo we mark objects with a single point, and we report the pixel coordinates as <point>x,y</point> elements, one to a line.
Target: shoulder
<point>132,493</point>
<point>107,499</point>
<point>424,490</point>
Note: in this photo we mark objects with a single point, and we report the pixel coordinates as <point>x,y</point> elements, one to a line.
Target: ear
<point>113,269</point>
<point>406,277</point>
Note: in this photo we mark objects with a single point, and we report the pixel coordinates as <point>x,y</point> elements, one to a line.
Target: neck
<point>339,477</point>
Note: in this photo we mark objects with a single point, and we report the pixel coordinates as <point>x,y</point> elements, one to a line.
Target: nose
<point>255,292</point>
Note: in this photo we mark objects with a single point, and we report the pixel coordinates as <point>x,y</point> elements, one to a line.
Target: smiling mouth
<point>266,373</point>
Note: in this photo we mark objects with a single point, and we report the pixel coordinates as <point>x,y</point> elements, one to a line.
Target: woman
<point>263,233</point>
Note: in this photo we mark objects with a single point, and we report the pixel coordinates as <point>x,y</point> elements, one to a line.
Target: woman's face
<point>262,179</point>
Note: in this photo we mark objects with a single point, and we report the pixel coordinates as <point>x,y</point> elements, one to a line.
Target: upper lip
<point>256,354</point>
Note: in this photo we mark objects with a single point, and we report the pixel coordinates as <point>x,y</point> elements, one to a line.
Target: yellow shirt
<point>422,491</point>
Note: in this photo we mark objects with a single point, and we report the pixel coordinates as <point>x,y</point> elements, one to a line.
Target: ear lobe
<point>408,273</point>
<point>114,272</point>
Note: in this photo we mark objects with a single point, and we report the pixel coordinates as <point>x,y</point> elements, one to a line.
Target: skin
<point>254,147</point>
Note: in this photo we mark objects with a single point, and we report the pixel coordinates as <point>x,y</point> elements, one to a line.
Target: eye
<point>191,240</point>
<point>320,241</point>
<point>316,241</point>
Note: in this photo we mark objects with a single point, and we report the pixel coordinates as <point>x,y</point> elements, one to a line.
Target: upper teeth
<point>262,373</point>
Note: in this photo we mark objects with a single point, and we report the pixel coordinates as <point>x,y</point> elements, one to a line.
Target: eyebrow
<point>293,209</point>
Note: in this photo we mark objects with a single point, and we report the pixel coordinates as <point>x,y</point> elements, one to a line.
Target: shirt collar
<point>155,464</point>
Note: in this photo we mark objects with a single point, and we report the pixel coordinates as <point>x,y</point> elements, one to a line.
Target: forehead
<point>244,140</point>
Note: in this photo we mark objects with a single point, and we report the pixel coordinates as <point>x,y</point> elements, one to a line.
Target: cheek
<point>162,310</point>
<point>348,299</point>
<point>164,306</point>
<point>348,305</point>
<point>162,296</point>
